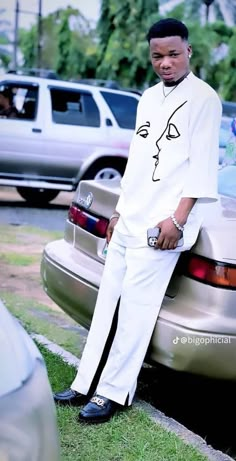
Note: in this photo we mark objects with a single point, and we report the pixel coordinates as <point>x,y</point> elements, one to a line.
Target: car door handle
<point>36,130</point>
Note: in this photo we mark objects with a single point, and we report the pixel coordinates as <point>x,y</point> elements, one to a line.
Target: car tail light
<point>211,272</point>
<point>91,223</point>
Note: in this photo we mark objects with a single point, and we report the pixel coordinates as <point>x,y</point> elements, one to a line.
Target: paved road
<point>188,399</point>
<point>14,210</point>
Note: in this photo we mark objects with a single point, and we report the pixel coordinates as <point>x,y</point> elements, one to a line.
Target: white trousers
<point>139,277</point>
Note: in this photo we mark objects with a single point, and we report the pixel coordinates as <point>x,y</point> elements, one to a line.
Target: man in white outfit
<point>171,173</point>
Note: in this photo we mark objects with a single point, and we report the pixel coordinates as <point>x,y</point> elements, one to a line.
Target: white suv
<point>63,132</point>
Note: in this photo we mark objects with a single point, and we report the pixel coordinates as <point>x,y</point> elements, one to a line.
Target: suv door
<point>20,135</point>
<point>72,129</point>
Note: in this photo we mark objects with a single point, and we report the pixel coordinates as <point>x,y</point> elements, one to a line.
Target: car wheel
<point>106,170</point>
<point>37,196</point>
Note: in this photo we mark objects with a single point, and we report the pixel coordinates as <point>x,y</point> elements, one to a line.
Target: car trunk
<point>99,198</point>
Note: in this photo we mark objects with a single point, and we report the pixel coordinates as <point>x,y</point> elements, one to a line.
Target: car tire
<point>106,169</point>
<point>37,196</point>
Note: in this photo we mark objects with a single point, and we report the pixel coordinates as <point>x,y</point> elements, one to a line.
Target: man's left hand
<point>169,235</point>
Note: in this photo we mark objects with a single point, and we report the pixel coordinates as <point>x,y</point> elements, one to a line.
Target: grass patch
<point>129,436</point>
<point>18,259</point>
<point>8,234</point>
<point>40,319</point>
<point>46,234</point>
<point>18,234</point>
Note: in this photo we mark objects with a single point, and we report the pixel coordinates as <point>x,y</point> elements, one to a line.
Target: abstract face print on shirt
<point>143,130</point>
<point>170,132</point>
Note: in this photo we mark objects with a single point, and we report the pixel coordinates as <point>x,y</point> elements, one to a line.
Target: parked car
<point>225,135</point>
<point>229,109</point>
<point>63,132</point>
<point>229,113</point>
<point>196,328</point>
<point>28,416</point>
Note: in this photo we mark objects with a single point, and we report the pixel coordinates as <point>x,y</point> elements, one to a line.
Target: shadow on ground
<point>205,406</point>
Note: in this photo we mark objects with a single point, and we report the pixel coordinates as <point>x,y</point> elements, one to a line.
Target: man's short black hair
<point>168,27</point>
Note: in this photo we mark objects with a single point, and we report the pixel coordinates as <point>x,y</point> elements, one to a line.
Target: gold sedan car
<point>196,328</point>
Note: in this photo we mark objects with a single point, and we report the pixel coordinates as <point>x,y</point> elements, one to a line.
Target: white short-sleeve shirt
<point>173,154</point>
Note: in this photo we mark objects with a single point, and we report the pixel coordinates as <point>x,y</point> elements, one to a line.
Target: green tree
<point>28,43</point>
<point>64,42</point>
<point>68,44</point>
<point>223,10</point>
<point>49,52</point>
<point>229,81</point>
<point>5,57</point>
<point>123,47</point>
<point>202,40</point>
<point>218,64</point>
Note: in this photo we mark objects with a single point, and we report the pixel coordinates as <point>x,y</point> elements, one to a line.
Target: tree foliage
<point>123,46</point>
<point>28,40</point>
<point>68,44</point>
<point>229,82</point>
<point>5,57</point>
<point>117,49</point>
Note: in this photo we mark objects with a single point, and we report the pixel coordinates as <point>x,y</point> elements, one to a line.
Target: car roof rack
<point>35,72</point>
<point>110,84</point>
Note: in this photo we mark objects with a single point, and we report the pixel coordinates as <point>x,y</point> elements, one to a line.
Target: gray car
<point>28,426</point>
<point>196,328</point>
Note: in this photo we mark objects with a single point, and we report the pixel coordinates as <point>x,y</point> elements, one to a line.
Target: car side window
<point>123,107</point>
<point>18,100</point>
<point>71,107</point>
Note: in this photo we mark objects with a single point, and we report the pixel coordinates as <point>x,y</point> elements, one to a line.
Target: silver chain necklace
<point>166,95</point>
<point>179,81</point>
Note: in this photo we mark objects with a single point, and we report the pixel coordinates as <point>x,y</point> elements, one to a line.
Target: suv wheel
<point>106,169</point>
<point>37,196</point>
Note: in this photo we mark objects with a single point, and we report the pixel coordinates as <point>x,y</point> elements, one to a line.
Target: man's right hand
<point>110,228</point>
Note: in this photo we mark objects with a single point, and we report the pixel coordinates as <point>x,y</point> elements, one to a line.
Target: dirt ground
<point>21,289</point>
<point>20,278</point>
<point>24,280</point>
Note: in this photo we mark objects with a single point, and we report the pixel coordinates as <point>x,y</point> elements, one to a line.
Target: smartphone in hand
<point>153,234</point>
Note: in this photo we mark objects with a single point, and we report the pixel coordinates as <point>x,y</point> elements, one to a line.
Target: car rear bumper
<point>198,352</point>
<point>65,272</point>
<point>72,280</point>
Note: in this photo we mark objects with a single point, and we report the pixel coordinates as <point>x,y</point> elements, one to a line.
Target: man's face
<point>170,57</point>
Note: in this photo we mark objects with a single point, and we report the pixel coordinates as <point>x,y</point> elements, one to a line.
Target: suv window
<point>123,107</point>
<point>18,100</point>
<point>71,107</point>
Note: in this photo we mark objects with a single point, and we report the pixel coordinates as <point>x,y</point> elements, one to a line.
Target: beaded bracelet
<point>114,215</point>
<point>175,222</point>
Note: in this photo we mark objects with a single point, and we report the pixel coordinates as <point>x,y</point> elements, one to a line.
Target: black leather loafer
<point>98,410</point>
<point>70,397</point>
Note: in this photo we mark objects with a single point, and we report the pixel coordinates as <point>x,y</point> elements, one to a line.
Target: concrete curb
<point>155,415</point>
